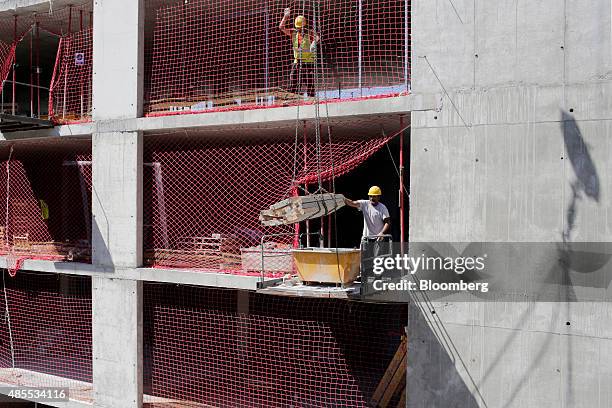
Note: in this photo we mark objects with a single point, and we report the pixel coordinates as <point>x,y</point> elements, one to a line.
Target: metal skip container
<point>327,265</point>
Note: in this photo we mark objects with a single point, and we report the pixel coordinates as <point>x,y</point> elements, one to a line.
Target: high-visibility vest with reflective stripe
<point>302,51</point>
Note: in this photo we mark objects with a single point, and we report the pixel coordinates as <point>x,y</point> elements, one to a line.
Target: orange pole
<point>14,65</point>
<point>31,73</point>
<point>38,68</point>
<point>401,184</point>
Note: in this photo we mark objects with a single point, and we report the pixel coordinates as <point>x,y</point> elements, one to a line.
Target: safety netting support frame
<point>231,56</point>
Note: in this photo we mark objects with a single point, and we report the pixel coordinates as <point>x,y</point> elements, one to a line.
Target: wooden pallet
<point>394,380</point>
<point>180,258</point>
<point>249,97</point>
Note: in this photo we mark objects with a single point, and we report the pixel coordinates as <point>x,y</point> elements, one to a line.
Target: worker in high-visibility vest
<point>304,43</point>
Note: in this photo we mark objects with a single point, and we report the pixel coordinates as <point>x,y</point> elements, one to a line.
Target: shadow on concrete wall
<point>97,236</point>
<point>586,183</point>
<point>433,379</point>
<point>97,241</point>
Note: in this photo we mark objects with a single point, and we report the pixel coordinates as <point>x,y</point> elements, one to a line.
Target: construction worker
<point>376,220</point>
<point>304,43</point>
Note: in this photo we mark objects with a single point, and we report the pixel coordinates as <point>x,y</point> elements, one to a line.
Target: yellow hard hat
<point>300,21</point>
<point>374,191</point>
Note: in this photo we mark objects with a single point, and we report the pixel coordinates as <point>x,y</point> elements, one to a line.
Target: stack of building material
<point>301,208</point>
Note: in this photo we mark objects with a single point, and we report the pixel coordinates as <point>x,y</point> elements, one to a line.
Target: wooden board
<point>399,378</point>
<point>402,400</point>
<point>296,209</point>
<point>248,97</point>
<point>393,379</point>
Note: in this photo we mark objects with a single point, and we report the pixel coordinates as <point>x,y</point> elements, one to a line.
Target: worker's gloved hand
<point>287,12</point>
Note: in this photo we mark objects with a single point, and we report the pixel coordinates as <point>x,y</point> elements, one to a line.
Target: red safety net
<point>46,188</point>
<point>45,332</point>
<point>28,34</point>
<point>7,53</point>
<point>220,348</point>
<point>71,87</point>
<point>203,196</point>
<point>232,55</point>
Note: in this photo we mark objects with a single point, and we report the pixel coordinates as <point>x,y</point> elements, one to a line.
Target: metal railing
<point>33,89</point>
<point>263,283</point>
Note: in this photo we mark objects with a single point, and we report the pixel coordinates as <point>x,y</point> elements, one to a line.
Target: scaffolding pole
<point>267,51</point>
<point>38,69</point>
<point>360,47</point>
<point>306,184</point>
<point>401,184</point>
<point>31,73</point>
<point>14,65</point>
<point>406,44</point>
<point>66,66</point>
<point>80,67</point>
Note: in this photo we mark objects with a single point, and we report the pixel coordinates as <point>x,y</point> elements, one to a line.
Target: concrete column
<point>117,199</point>
<point>118,46</point>
<point>117,343</point>
<point>118,65</point>
<point>117,243</point>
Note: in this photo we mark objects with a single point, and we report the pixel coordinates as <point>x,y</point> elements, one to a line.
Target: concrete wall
<point>117,204</point>
<point>519,152</point>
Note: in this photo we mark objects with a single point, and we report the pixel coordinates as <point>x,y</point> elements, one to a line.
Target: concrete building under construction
<point>159,160</point>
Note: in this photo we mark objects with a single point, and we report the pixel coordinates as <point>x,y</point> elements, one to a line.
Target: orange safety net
<point>27,77</point>
<point>233,55</point>
<point>7,53</point>
<point>210,347</point>
<point>70,95</point>
<point>46,333</point>
<point>45,202</point>
<point>203,196</point>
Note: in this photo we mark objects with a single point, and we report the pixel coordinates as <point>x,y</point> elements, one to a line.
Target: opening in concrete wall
<point>45,191</point>
<point>46,332</point>
<point>204,191</point>
<point>45,56</point>
<point>380,169</point>
<point>208,55</point>
<point>228,348</point>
